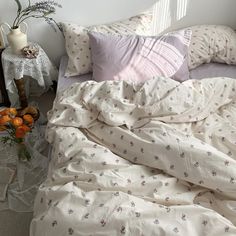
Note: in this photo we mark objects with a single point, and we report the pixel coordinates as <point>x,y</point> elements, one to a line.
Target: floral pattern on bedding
<point>212,43</point>
<point>151,159</point>
<point>77,39</point>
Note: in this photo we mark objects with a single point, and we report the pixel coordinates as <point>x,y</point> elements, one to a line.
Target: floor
<point>13,223</point>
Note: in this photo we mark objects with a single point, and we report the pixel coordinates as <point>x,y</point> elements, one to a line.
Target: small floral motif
<point>70,231</point>
<point>183,217</point>
<point>103,223</point>
<point>70,211</point>
<point>172,167</point>
<point>156,221</point>
<point>226,229</point>
<point>182,155</point>
<point>201,182</point>
<point>213,173</point>
<point>185,174</point>
<point>41,200</point>
<point>50,202</point>
<point>205,222</point>
<point>226,163</point>
<point>87,202</point>
<point>176,230</point>
<point>196,164</point>
<point>122,230</point>
<point>232,180</point>
<point>119,209</point>
<point>168,147</point>
<point>137,214</point>
<point>54,223</point>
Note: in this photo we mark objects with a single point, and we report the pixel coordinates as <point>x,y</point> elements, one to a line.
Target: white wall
<point>174,14</point>
<point>170,14</point>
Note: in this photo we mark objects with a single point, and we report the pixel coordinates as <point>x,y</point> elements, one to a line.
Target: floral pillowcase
<point>77,39</point>
<point>214,43</point>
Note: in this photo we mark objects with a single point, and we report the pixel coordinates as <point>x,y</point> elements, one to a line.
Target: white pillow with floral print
<point>215,43</point>
<point>77,39</point>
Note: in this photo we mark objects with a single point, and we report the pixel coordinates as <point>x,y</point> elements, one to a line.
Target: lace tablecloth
<point>40,70</point>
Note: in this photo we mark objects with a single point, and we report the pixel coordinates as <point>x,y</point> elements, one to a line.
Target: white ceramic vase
<point>17,38</point>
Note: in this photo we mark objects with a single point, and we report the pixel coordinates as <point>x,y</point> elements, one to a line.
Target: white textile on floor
<point>29,175</point>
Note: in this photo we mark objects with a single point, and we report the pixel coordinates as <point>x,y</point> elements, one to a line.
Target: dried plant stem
<point>41,9</point>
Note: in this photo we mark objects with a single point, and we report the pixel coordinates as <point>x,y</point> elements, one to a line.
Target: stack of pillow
<point>125,50</point>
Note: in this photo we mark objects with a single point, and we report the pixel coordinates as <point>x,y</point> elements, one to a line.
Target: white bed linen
<point>211,70</point>
<point>65,82</point>
<point>153,159</point>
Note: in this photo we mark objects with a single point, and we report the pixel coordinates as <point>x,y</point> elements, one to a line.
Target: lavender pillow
<point>139,58</point>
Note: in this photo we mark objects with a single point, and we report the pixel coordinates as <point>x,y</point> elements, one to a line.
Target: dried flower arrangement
<point>38,10</point>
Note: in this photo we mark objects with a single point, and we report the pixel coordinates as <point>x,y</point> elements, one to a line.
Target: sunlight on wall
<point>181,9</point>
<point>162,19</point>
<point>167,12</point>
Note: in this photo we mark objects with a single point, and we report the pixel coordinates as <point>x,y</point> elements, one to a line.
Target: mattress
<point>65,82</point>
<point>210,70</point>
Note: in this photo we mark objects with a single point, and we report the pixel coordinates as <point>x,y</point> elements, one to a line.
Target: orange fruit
<point>17,121</point>
<point>25,128</point>
<point>20,133</point>
<point>2,128</point>
<point>4,112</point>
<point>28,118</point>
<point>5,119</point>
<point>13,111</point>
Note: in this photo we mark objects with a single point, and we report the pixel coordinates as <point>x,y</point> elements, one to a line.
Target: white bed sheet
<point>65,82</point>
<point>210,70</point>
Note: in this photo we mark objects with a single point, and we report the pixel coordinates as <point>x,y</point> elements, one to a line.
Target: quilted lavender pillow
<point>139,58</point>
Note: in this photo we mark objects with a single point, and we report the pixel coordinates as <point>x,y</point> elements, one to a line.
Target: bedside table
<point>5,100</point>
<point>25,77</point>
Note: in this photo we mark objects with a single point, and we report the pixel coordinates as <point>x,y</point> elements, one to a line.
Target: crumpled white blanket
<point>151,159</point>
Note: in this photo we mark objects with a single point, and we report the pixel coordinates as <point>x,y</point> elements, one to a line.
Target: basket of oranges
<point>17,124</point>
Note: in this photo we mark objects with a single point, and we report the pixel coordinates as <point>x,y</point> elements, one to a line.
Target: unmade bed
<point>151,164</point>
<point>150,158</point>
